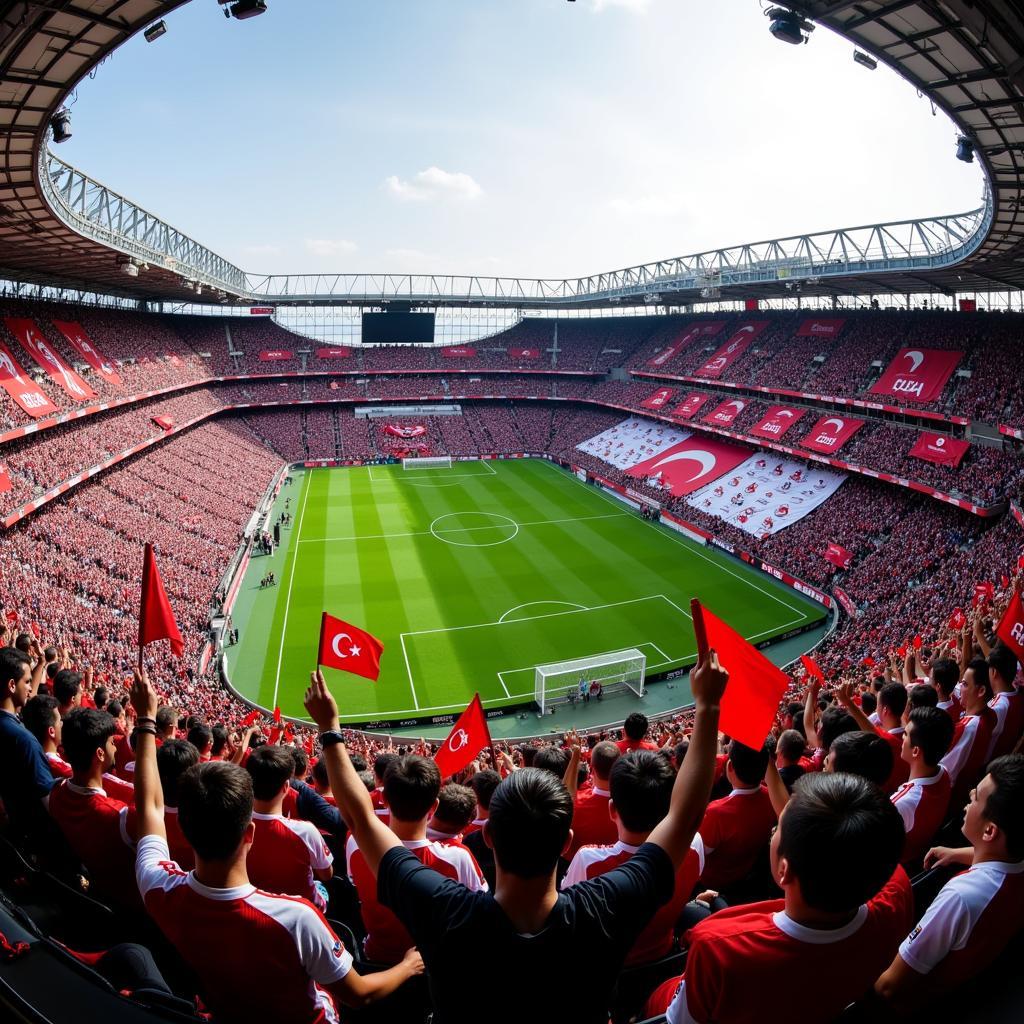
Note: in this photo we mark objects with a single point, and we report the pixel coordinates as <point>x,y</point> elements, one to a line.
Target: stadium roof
<point>59,227</point>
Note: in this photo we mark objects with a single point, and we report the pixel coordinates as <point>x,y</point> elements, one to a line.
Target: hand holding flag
<point>346,647</point>
<point>811,667</point>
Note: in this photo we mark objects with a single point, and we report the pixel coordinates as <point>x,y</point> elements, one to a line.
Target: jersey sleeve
<point>154,868</point>
<point>322,953</point>
<point>469,871</point>
<point>942,929</point>
<point>700,996</point>
<point>710,830</point>
<point>319,856</point>
<point>577,872</point>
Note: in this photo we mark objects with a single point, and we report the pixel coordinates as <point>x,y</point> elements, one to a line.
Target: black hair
<point>748,765</point>
<point>85,731</point>
<point>23,642</point>
<point>893,696</point>
<point>552,759</point>
<point>1002,660</point>
<point>320,776</point>
<point>270,766</point>
<point>979,666</point>
<point>641,788</point>
<point>456,805</point>
<point>484,784</point>
<point>603,758</point>
<point>842,838</point>
<point>791,745</point>
<point>220,740</point>
<point>921,695</point>
<point>932,731</point>
<point>411,785</point>
<point>301,762</point>
<point>1005,804</point>
<point>115,708</point>
<point>200,736</point>
<point>381,763</point>
<point>945,675</point>
<point>173,758</point>
<point>166,718</point>
<point>635,726</point>
<point>834,722</point>
<point>868,703</point>
<point>214,807</point>
<point>359,763</point>
<point>863,753</point>
<point>66,684</point>
<point>39,714</point>
<point>529,819</point>
<point>99,697</point>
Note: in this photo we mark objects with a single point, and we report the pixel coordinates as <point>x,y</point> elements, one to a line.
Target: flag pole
<point>142,600</point>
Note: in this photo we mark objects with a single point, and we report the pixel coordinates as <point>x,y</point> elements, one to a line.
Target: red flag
<point>902,650</point>
<point>1020,561</point>
<point>5,480</point>
<point>755,685</point>
<point>12,616</point>
<point>250,719</point>
<point>349,648</point>
<point>917,642</point>
<point>468,737</point>
<point>289,732</point>
<point>957,620</point>
<point>812,667</point>
<point>34,626</point>
<point>983,592</point>
<point>868,662</point>
<point>277,715</point>
<point>307,745</point>
<point>1004,581</point>
<point>1011,628</point>
<point>156,619</point>
<point>838,556</point>
<point>275,735</point>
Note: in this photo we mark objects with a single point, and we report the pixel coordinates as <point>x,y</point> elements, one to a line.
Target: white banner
<point>632,441</point>
<point>767,493</point>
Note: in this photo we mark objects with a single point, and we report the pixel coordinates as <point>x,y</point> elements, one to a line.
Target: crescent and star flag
<point>349,648</point>
<point>811,667</point>
<point>468,737</point>
<point>957,620</point>
<point>756,686</point>
<point>156,619</point>
<point>1011,628</point>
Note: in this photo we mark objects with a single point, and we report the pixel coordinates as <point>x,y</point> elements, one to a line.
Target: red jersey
<point>290,803</point>
<point>58,766</point>
<point>591,823</point>
<point>900,769</point>
<point>626,745</point>
<point>968,924</point>
<point>386,937</point>
<point>952,707</point>
<point>257,956</point>
<point>734,831</point>
<point>738,956</point>
<point>101,830</point>
<point>380,808</point>
<point>966,756</point>
<point>922,804</point>
<point>284,854</point>
<point>181,850</point>
<point>1009,709</point>
<point>657,939</point>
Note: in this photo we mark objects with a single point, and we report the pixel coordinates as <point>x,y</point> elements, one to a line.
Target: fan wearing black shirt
<point>491,955</point>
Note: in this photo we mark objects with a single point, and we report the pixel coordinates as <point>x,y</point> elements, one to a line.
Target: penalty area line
<point>291,580</point>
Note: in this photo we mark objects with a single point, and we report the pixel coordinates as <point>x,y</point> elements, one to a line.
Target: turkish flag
<point>811,667</point>
<point>468,737</point>
<point>756,686</point>
<point>957,620</point>
<point>349,648</point>
<point>1011,628</point>
<point>156,619</point>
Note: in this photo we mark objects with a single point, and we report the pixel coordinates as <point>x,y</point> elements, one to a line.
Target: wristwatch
<point>330,738</point>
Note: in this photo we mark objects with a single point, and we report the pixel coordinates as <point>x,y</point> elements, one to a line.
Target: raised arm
<point>373,837</point>
<point>810,707</point>
<point>571,778</point>
<point>149,795</point>
<point>693,782</point>
<point>979,635</point>
<point>845,695</point>
<point>777,792</point>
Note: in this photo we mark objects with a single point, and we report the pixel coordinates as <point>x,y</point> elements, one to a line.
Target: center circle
<point>473,529</point>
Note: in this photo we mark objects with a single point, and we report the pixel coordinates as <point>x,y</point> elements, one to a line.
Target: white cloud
<point>434,183</point>
<point>329,246</point>
<point>632,6</point>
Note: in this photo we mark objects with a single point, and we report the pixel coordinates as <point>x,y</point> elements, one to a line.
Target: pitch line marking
<point>291,580</point>
<point>571,604</point>
<point>470,529</point>
<point>408,671</point>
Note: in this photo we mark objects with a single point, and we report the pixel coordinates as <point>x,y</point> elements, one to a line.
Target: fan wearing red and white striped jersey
<point>847,902</point>
<point>892,702</point>
<point>173,759</point>
<point>641,791</point>
<point>381,763</point>
<point>591,823</point>
<point>736,829</point>
<point>288,855</point>
<point>257,956</point>
<point>978,911</point>
<point>923,800</point>
<point>944,675</point>
<point>41,716</point>
<point>456,806</point>
<point>1007,701</point>
<point>965,761</point>
<point>411,788</point>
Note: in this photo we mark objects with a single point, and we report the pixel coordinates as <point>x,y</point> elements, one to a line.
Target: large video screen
<point>398,328</point>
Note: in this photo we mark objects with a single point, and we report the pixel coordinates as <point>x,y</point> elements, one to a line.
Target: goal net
<point>428,462</point>
<point>574,680</point>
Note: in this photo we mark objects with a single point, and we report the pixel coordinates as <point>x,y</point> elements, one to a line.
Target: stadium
<point>371,639</point>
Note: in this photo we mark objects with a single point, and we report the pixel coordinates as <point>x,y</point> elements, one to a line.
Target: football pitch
<point>471,576</point>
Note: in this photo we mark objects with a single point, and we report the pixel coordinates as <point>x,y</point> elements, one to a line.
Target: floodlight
<point>787,26</point>
<point>248,9</point>
<point>155,31</point>
<point>60,125</point>
<point>864,60</point>
<point>965,149</point>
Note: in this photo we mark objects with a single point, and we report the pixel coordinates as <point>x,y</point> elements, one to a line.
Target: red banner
<point>459,352</point>
<point>334,352</point>
<point>675,347</point>
<point>838,556</point>
<point>816,328</point>
<point>917,374</point>
<point>275,355</point>
<point>845,602</point>
<point>738,343</point>
<point>5,480</point>
<point>830,433</point>
<point>22,388</point>
<point>690,406</point>
<point>658,399</point>
<point>525,354</point>
<point>33,342</point>
<point>261,310</point>
<point>418,430</point>
<point>726,413</point>
<point>79,341</point>
<point>777,421</point>
<point>940,448</point>
<point>691,464</point>
<point>164,422</point>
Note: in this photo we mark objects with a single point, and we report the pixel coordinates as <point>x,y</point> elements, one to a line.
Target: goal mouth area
<point>583,679</point>
<point>427,462</point>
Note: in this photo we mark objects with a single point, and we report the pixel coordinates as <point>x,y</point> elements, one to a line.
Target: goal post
<point>428,462</point>
<point>573,680</point>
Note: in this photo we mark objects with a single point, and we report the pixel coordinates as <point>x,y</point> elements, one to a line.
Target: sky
<point>533,138</point>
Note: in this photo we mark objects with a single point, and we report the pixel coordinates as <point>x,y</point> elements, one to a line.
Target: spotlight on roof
<point>787,26</point>
<point>155,31</point>
<point>243,9</point>
<point>864,60</point>
<point>965,149</point>
<point>60,125</point>
<point>130,267</point>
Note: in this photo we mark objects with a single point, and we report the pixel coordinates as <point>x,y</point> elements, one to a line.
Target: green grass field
<point>473,575</point>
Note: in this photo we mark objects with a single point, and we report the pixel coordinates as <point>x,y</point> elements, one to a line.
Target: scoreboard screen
<point>398,328</point>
